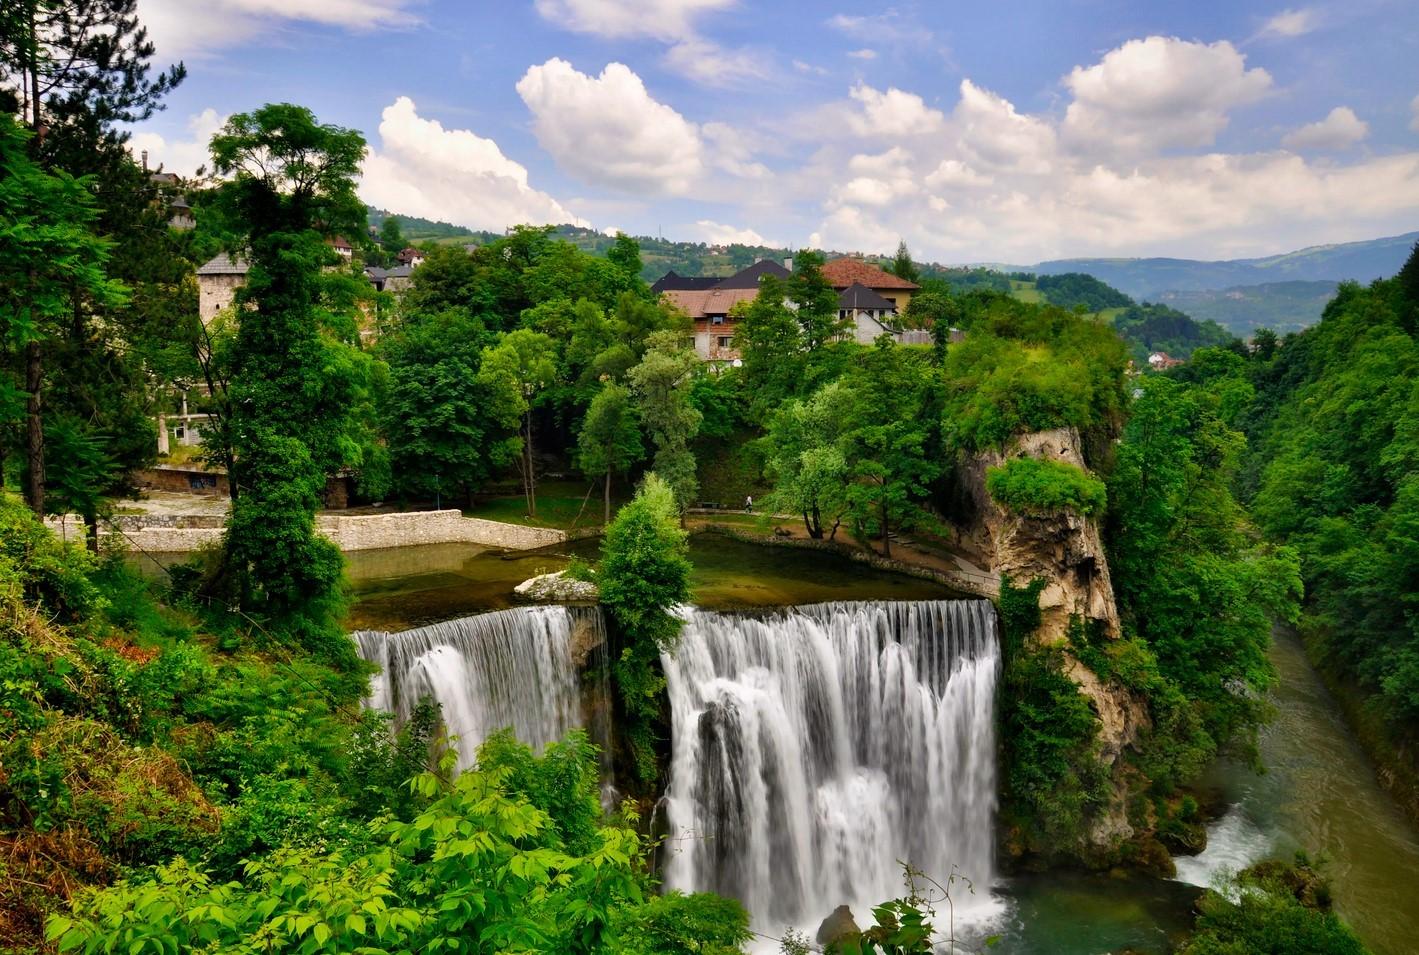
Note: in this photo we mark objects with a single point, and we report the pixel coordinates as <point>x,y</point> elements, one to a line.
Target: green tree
<point>644,575</point>
<point>806,459</point>
<point>442,422</point>
<point>391,236</point>
<point>292,388</point>
<point>610,438</point>
<point>771,344</point>
<point>902,265</point>
<point>816,302</point>
<point>889,438</point>
<point>523,364</point>
<point>52,269</point>
<point>662,383</point>
<point>1190,580</point>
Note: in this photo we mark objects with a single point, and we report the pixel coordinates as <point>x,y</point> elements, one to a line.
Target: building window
<point>724,340</point>
<point>716,319</point>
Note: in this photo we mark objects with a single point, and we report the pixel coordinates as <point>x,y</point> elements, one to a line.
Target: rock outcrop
<point>1066,550</point>
<point>556,588</point>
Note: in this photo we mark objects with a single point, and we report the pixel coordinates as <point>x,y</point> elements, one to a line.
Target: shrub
<point>1037,486</point>
<point>645,574</point>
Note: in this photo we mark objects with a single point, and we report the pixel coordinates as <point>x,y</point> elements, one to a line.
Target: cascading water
<point>513,668</point>
<point>816,747</point>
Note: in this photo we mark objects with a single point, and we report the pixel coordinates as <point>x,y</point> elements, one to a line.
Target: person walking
<point>749,504</point>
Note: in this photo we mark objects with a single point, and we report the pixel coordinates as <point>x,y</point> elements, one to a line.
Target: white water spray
<point>513,668</point>
<point>816,747</point>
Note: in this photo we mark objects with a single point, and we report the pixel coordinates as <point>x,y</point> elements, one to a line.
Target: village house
<point>1161,361</point>
<point>868,297</point>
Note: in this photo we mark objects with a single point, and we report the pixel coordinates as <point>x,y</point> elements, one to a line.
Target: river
<point>1320,795</point>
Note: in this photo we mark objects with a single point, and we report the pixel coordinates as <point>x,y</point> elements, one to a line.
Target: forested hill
<point>1332,418</point>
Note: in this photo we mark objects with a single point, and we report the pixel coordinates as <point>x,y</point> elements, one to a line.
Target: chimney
<point>145,160</point>
<point>788,263</point>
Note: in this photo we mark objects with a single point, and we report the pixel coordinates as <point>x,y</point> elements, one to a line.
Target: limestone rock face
<point>1066,550</point>
<point>556,588</point>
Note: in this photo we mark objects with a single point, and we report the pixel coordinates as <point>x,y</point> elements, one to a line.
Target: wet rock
<point>837,928</point>
<point>556,588</point>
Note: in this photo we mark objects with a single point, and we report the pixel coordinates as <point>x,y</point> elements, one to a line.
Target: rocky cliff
<point>1066,550</point>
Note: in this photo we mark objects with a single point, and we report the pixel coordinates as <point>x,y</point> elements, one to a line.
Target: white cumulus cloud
<point>717,233</point>
<point>182,156</point>
<point>863,54</point>
<point>891,113</point>
<point>454,175</point>
<point>987,181</point>
<point>673,22</point>
<point>1158,93</point>
<point>607,130</point>
<point>1291,23</point>
<point>1340,129</point>
<point>192,28</point>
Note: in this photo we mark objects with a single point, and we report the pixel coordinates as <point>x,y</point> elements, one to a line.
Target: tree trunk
<point>91,532</point>
<point>34,426</point>
<point>607,518</point>
<point>813,521</point>
<point>529,484</point>
<point>886,537</point>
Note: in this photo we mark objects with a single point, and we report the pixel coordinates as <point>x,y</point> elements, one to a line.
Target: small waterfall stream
<point>512,668</point>
<point>815,747</point>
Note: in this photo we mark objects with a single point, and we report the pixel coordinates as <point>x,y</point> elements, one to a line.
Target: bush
<point>1272,909</point>
<point>679,924</point>
<point>645,574</point>
<point>1037,486</point>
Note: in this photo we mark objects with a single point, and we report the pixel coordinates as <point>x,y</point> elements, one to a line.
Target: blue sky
<point>1013,131</point>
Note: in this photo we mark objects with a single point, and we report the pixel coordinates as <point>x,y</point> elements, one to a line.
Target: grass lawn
<point>558,506</point>
<point>1025,291</point>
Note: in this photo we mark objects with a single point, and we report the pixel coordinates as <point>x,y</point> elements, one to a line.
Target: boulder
<point>556,588</point>
<point>837,927</point>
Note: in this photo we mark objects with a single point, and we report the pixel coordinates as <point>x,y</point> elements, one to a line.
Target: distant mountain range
<point>1285,292</point>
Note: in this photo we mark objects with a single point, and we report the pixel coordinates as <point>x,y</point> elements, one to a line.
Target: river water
<point>1319,794</point>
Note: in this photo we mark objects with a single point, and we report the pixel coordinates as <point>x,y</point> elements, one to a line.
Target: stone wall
<point>376,531</point>
<point>166,534</point>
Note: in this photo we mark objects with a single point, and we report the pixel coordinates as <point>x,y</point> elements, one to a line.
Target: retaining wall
<point>167,534</point>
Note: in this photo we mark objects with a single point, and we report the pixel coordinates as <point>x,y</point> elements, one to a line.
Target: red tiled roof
<point>843,273</point>
<point>701,302</point>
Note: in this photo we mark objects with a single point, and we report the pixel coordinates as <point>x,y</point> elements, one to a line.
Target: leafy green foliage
<point>645,574</point>
<point>1190,581</point>
<point>1029,367</point>
<point>680,924</point>
<point>1053,779</point>
<point>662,383</point>
<point>1149,328</point>
<point>1272,909</point>
<point>293,388</point>
<point>610,439</point>
<point>1074,289</point>
<point>1040,486</point>
<point>479,869</point>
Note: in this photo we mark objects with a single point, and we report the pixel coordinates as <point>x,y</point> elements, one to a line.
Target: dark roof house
<point>749,277</point>
<point>672,281</point>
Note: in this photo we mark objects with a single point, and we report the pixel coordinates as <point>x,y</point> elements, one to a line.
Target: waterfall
<point>513,668</point>
<point>815,747</point>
